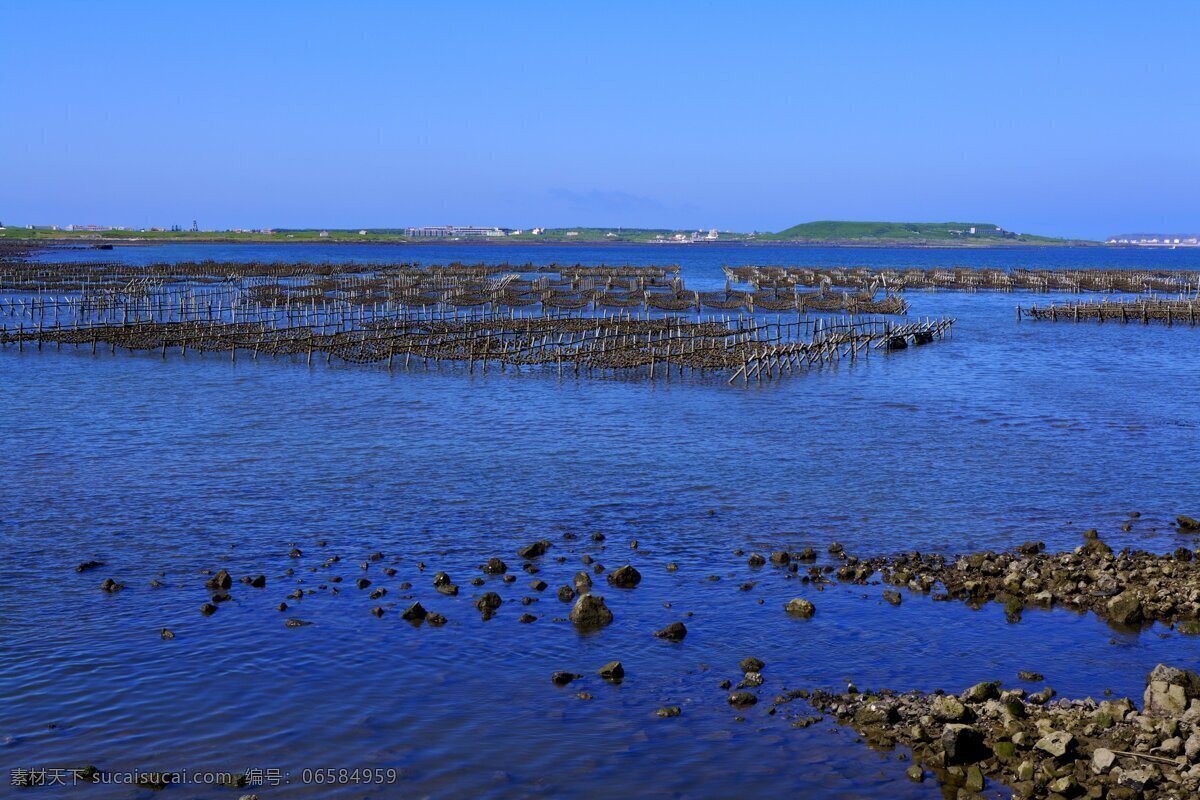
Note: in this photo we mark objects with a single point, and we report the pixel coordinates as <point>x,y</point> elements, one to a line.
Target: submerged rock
<point>414,613</point>
<point>613,671</point>
<point>534,550</point>
<point>221,580</point>
<point>564,678</point>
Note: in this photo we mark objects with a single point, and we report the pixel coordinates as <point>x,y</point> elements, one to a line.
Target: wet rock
<point>538,585</point>
<point>220,581</point>
<point>1169,690</point>
<point>566,594</point>
<point>435,619</point>
<point>526,618</point>
<point>673,632</point>
<point>295,622</point>
<point>742,699</point>
<point>257,582</point>
<point>494,566</point>
<point>1031,677</point>
<point>625,577</point>
<point>1187,523</point>
<point>982,692</point>
<point>781,558</point>
<point>915,774</point>
<point>1102,760</point>
<point>672,566</point>
<point>962,744</point>
<point>208,609</point>
<point>799,607</point>
<point>488,602</point>
<point>564,678</point>
<point>414,613</point>
<point>477,581</point>
<point>892,597</point>
<point>583,582</point>
<point>156,584</point>
<point>281,607</point>
<point>1056,744</point>
<point>756,560</point>
<point>166,633</point>
<point>598,537</point>
<point>668,711</point>
<point>84,566</point>
<point>613,671</point>
<point>510,578</point>
<point>362,583</point>
<point>590,613</point>
<point>751,664</point>
<point>534,550</point>
<point>948,708</point>
<point>109,585</point>
<point>221,597</point>
<point>295,552</point>
<point>389,571</point>
<point>377,593</point>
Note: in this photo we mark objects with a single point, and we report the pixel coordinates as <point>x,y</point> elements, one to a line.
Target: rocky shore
<point>1038,746</point>
<point>1127,588</point>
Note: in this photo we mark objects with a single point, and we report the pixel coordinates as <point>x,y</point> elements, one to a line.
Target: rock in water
<point>1125,609</point>
<point>625,577</point>
<point>494,566</point>
<point>612,671</point>
<point>109,585</point>
<point>221,580</point>
<point>590,613</point>
<point>668,711</point>
<point>534,550</point>
<point>414,613</point>
<point>751,664</point>
<point>295,622</point>
<point>563,678</point>
<point>1188,523</point>
<point>674,632</point>
<point>566,594</point>
<point>488,602</point>
<point>742,699</point>
<point>799,607</point>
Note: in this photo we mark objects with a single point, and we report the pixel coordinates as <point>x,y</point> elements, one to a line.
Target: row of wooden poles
<point>748,346</point>
<point>972,279</point>
<point>1169,311</point>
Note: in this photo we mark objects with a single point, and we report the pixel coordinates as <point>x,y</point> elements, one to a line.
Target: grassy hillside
<point>902,232</point>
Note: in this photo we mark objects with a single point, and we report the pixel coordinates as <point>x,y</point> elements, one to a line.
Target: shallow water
<point>1005,432</point>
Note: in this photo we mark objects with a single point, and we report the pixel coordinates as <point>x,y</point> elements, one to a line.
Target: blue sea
<point>1005,432</point>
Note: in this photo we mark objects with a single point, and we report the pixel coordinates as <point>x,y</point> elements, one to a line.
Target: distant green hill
<point>906,232</point>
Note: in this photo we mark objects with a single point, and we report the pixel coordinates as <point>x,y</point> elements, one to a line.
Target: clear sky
<point>1067,118</point>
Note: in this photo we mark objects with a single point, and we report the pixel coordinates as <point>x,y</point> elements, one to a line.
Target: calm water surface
<point>1006,432</point>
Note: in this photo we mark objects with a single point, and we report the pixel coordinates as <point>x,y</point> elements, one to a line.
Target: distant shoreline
<point>84,244</point>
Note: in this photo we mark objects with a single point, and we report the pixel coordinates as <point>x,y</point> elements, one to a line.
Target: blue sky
<point>1066,118</point>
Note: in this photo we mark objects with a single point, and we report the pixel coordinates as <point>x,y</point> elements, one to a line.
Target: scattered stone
<point>538,585</point>
<point>781,558</point>
<point>435,619</point>
<point>526,618</point>
<point>362,583</point>
<point>86,565</point>
<point>166,633</point>
<point>488,602</point>
<point>590,613</point>
<point>414,613</point>
<point>751,664</point>
<point>756,560</point>
<point>109,585</point>
<point>566,594</point>
<point>892,597</point>
<point>534,550</point>
<point>208,609</point>
<point>583,582</point>
<point>668,711</point>
<point>742,699</point>
<point>377,611</point>
<point>1188,523</point>
<point>613,671</point>
<point>563,678</point>
<point>494,566</point>
<point>1031,677</point>
<point>295,622</point>
<point>220,581</point>
<point>625,577</point>
<point>799,607</point>
<point>673,632</point>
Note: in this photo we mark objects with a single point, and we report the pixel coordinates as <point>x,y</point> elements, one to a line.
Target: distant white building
<point>449,231</point>
<point>324,234</point>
